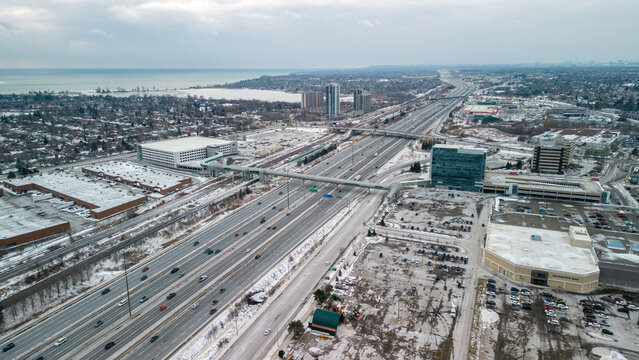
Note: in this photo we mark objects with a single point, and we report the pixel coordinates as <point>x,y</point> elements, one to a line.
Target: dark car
<point>623,310</point>
<point>109,345</point>
<point>98,323</point>
<point>144,277</point>
<point>587,311</point>
<point>217,251</point>
<point>196,243</point>
<point>564,319</point>
<point>555,331</point>
<point>526,306</point>
<point>492,281</point>
<point>208,251</point>
<point>607,332</point>
<point>222,290</point>
<point>8,347</point>
<point>257,256</point>
<point>215,302</point>
<point>170,296</point>
<point>154,338</point>
<point>490,302</point>
<point>174,270</point>
<point>213,311</point>
<point>281,193</point>
<point>105,291</point>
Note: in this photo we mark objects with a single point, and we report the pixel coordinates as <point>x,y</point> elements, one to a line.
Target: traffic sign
<point>312,190</point>
<point>328,195</point>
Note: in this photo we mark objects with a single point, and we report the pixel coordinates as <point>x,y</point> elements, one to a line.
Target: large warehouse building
<point>185,152</point>
<point>543,257</point>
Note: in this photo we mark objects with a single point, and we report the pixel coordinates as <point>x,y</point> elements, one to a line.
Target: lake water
<point>22,81</point>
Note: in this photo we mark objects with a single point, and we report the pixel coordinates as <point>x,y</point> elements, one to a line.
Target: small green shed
<point>325,321</point>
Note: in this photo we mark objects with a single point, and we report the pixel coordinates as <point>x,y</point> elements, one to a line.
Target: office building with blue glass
<point>458,167</point>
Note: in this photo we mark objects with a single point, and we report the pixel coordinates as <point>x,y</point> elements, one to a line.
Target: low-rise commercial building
<point>545,187</point>
<point>458,167</point>
<point>138,176</point>
<point>175,152</point>
<point>19,225</point>
<point>543,257</point>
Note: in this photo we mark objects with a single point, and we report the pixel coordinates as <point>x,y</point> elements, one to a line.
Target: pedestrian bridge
<point>394,189</point>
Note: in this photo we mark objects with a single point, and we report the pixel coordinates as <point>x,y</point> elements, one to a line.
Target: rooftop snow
<point>143,174</point>
<point>102,195</point>
<point>16,221</point>
<point>554,253</point>
<point>546,182</point>
<point>184,144</point>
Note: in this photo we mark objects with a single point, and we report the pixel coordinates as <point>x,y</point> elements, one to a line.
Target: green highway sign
<point>312,190</point>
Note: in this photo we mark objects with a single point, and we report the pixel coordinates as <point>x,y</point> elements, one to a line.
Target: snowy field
<point>272,138</point>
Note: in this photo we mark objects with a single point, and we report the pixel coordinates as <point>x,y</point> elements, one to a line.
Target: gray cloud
<point>305,33</point>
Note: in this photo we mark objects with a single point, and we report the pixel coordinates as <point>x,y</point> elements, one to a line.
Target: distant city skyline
<point>274,34</point>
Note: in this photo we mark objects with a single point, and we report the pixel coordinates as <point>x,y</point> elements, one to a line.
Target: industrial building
<point>596,142</point>
<point>138,176</point>
<point>543,257</point>
<point>550,157</point>
<point>458,167</point>
<point>325,321</point>
<point>332,100</point>
<point>312,99</point>
<point>19,225</point>
<point>103,200</point>
<point>545,187</point>
<point>187,152</point>
<point>362,101</point>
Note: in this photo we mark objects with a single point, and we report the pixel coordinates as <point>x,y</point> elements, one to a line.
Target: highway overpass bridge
<point>394,133</point>
<point>394,189</point>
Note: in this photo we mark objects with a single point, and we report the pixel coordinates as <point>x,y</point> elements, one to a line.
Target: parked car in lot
<point>633,307</point>
<point>594,324</point>
<point>606,331</point>
<point>623,310</point>
<point>526,306</point>
<point>525,292</point>
<point>564,319</point>
<point>604,323</point>
<point>553,322</point>
<point>490,293</point>
<point>555,331</point>
<point>490,302</point>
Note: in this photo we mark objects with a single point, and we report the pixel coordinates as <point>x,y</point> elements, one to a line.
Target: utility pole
<point>288,180</point>
<point>126,278</point>
<point>352,154</point>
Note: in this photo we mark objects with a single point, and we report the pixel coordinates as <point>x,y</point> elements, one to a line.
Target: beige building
<point>551,157</point>
<point>543,257</point>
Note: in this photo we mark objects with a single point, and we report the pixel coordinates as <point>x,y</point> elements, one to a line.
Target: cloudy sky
<point>313,33</point>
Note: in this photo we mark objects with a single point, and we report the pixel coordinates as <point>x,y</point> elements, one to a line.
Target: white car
<point>514,303</point>
<point>604,323</point>
<point>328,263</point>
<point>603,316</point>
<point>553,322</point>
<point>620,302</point>
<point>562,306</point>
<point>267,331</point>
<point>525,292</point>
<point>123,302</point>
<point>594,324</point>
<point>633,307</point>
<point>248,251</point>
<point>195,305</point>
<point>202,278</point>
<point>490,293</point>
<point>60,341</point>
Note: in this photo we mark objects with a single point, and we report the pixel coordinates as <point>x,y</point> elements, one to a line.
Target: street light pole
<point>126,278</point>
<point>288,180</point>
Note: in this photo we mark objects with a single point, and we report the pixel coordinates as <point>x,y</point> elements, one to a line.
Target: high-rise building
<point>362,100</point>
<point>312,99</point>
<point>332,100</point>
<point>458,167</point>
<point>551,157</point>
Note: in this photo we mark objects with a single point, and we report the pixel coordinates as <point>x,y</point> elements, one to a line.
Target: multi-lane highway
<point>77,322</point>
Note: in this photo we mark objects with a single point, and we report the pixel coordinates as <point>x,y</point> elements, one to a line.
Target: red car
<point>236,235</point>
<point>274,227</point>
<point>162,307</point>
<point>145,269</point>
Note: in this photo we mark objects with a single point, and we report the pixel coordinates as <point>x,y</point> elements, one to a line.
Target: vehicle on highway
<point>267,331</point>
<point>195,305</point>
<point>257,256</point>
<point>146,268</point>
<point>274,228</point>
<point>144,277</point>
<point>222,290</point>
<point>170,296</point>
<point>174,270</point>
<point>247,251</point>
<point>8,347</point>
<point>60,341</point>
<point>154,338</point>
<point>328,263</point>
<point>213,311</point>
<point>214,302</point>
<point>244,233</point>
<point>262,221</point>
<point>281,193</point>
<point>109,345</point>
<point>98,323</point>
<point>236,235</point>
<point>202,278</point>
<point>143,299</point>
<point>196,243</point>
<point>163,307</point>
<point>123,302</point>
<point>217,251</point>
<point>208,251</point>
<point>105,291</point>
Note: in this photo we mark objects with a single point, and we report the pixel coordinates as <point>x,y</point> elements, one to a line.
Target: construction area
<point>397,297</point>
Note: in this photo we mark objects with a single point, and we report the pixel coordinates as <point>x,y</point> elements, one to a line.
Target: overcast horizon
<point>309,35</point>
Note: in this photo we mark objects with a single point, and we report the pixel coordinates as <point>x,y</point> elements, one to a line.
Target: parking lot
<point>403,303</point>
<point>551,323</point>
